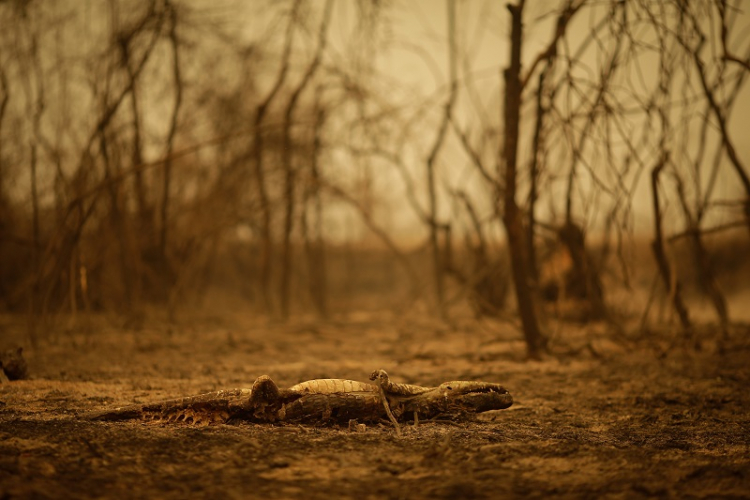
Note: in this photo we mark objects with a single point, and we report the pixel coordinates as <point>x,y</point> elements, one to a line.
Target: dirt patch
<point>621,418</point>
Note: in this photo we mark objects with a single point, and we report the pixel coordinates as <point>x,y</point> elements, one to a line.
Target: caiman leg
<point>384,400</point>
<point>385,386</point>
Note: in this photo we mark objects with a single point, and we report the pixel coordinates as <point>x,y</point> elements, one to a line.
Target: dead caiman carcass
<point>323,401</point>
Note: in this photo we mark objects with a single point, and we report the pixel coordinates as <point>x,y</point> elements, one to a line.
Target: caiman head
<point>451,400</point>
<point>473,397</point>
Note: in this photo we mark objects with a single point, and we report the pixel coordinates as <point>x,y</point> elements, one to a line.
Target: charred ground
<point>624,417</point>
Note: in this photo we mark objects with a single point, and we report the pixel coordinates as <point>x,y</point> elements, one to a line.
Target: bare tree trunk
<point>3,107</point>
<point>437,257</point>
<point>144,235</point>
<point>289,181</point>
<point>35,104</point>
<point>69,237</point>
<point>4,215</point>
<point>60,249</point>
<point>35,241</point>
<point>669,278</point>
<point>264,260</point>
<point>534,175</point>
<point>512,216</point>
<point>266,237</point>
<point>706,277</point>
<point>671,282</point>
<point>118,226</point>
<point>145,222</point>
<point>708,282</point>
<point>176,74</point>
<point>287,162</point>
<point>315,248</point>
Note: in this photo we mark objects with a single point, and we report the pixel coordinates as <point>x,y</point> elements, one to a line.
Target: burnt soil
<point>606,415</point>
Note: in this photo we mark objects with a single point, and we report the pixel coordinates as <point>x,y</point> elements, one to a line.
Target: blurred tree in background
<point>164,152</point>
